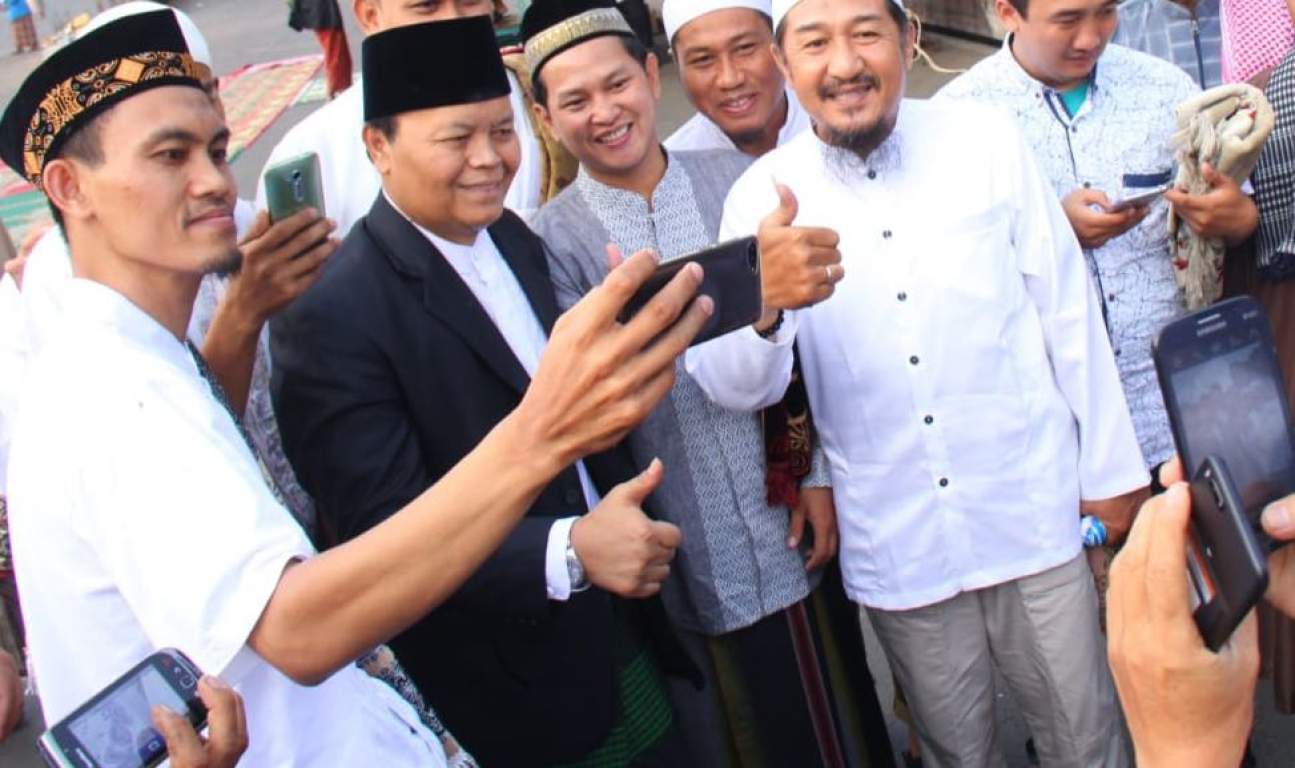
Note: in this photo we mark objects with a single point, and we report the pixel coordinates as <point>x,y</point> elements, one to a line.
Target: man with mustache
<point>960,378</point>
<point>1100,118</point>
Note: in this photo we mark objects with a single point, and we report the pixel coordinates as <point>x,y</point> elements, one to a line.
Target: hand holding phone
<point>293,186</point>
<point>731,279</point>
<point>115,729</point>
<point>1138,197</point>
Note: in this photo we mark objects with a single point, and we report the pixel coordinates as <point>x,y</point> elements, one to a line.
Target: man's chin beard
<point>860,141</point>
<point>226,265</point>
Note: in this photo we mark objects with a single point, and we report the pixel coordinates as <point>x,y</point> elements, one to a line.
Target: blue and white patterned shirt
<point>1192,40</point>
<point>1120,133</point>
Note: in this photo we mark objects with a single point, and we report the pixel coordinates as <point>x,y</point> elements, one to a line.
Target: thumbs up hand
<point>624,551</point>
<point>800,266</point>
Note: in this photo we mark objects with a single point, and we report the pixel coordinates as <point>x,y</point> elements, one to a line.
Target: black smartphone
<point>1225,397</point>
<point>1226,562</point>
<point>115,728</point>
<point>293,186</point>
<point>731,279</point>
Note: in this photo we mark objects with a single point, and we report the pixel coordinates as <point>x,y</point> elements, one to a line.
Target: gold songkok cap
<point>552,26</point>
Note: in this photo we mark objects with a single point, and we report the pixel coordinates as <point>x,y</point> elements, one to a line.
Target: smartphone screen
<point>118,731</point>
<point>114,729</point>
<point>1225,396</point>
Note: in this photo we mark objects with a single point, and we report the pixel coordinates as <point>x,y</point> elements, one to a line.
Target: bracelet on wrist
<point>771,331</point>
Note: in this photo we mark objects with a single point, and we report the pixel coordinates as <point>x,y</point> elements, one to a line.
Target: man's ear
<point>378,148</point>
<point>542,112</point>
<point>653,68</point>
<point>62,183</point>
<point>780,60</point>
<point>1008,15</point>
<point>367,14</point>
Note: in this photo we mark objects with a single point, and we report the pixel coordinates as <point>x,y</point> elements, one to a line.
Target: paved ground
<point>248,31</point>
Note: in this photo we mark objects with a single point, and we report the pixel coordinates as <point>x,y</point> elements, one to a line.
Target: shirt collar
<point>448,248</point>
<point>597,193</point>
<point>94,305</point>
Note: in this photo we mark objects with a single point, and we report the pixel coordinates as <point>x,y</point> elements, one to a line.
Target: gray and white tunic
<point>734,567</point>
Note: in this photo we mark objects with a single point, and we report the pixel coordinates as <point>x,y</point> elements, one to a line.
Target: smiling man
<point>725,53</point>
<point>749,583</point>
<point>960,378</point>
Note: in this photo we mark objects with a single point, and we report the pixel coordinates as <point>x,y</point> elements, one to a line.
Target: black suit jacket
<point>386,373</point>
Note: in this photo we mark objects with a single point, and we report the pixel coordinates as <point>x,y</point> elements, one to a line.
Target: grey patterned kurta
<point>734,566</point>
<point>1122,129</point>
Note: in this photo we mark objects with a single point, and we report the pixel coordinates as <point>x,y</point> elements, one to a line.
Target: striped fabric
<point>1274,180</point>
<point>645,718</point>
<point>1256,35</point>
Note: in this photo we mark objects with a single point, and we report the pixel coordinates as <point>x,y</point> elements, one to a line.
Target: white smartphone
<point>1138,197</point>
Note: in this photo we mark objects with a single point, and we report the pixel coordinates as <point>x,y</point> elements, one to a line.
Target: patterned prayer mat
<point>254,96</point>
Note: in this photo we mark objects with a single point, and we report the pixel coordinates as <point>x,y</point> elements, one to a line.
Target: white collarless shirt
<point>700,132</point>
<point>141,520</point>
<point>961,381</point>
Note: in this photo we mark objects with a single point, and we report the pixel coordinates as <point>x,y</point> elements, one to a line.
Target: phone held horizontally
<point>115,728</point>
<point>731,278</point>
<point>293,186</point>
<point>1231,424</point>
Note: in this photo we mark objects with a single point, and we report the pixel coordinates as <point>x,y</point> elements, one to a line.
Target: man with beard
<point>960,378</point>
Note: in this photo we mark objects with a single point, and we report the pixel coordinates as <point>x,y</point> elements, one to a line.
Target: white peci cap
<point>676,13</point>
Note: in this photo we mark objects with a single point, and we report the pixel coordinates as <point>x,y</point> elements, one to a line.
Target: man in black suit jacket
<point>415,342</point>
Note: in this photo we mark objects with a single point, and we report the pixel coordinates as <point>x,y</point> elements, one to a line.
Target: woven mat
<point>254,97</point>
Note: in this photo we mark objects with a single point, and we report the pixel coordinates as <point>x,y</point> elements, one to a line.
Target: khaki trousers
<point>1041,633</point>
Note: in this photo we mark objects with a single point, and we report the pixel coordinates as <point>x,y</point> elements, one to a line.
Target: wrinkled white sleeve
<point>740,370</point>
<point>45,278</point>
<point>1056,275</point>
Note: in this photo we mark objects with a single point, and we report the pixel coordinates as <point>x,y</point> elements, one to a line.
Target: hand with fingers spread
<point>226,728</point>
<point>799,266</point>
<point>623,550</point>
<point>599,378</point>
<point>1094,219</point>
<point>1224,212</point>
<point>1186,706</point>
<point>818,508</point>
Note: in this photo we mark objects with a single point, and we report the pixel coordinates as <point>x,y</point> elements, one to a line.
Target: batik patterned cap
<point>552,26</point>
<point>87,76</point>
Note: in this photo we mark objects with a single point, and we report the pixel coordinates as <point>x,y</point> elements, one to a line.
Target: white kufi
<point>676,13</point>
<point>192,35</point>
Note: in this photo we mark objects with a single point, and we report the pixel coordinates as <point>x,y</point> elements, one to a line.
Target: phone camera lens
<point>1218,495</point>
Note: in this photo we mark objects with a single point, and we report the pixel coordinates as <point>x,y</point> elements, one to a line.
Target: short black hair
<point>768,22</point>
<point>636,50</point>
<point>1022,6</point>
<point>384,125</point>
<point>84,145</point>
<point>899,15</point>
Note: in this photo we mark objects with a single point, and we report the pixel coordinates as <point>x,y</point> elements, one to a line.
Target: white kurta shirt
<point>13,363</point>
<point>960,378</point>
<point>485,272</point>
<point>1118,140</point>
<point>335,132</point>
<point>700,132</point>
<point>140,520</point>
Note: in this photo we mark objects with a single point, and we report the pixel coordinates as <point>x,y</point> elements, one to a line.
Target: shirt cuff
<point>820,472</point>
<point>556,577</point>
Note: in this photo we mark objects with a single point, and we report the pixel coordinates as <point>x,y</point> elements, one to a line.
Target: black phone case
<point>731,278</point>
<point>1230,565</point>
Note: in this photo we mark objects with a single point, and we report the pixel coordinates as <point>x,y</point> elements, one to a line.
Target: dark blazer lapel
<point>445,295</point>
<point>523,251</point>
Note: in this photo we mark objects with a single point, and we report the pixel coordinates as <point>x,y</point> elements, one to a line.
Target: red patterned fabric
<point>1256,35</point>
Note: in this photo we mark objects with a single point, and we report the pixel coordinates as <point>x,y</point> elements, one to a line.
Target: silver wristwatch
<point>575,568</point>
